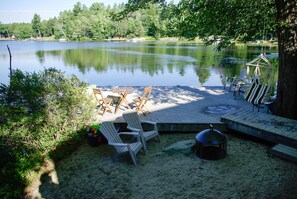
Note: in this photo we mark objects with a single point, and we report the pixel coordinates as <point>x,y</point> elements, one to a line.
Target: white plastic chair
<point>114,139</point>
<point>134,124</point>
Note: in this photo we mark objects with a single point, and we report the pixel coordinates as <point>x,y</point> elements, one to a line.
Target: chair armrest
<point>152,123</point>
<point>270,100</point>
<point>148,122</point>
<point>129,133</point>
<point>118,144</point>
<point>133,129</point>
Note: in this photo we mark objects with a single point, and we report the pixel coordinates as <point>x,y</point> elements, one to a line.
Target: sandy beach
<point>182,104</point>
<point>164,171</point>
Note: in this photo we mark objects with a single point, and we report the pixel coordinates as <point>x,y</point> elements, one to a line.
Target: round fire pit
<point>211,144</point>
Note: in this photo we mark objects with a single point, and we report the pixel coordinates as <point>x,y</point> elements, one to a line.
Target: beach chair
<point>104,102</point>
<point>259,95</point>
<point>114,139</point>
<point>141,101</point>
<point>135,124</point>
<point>244,87</point>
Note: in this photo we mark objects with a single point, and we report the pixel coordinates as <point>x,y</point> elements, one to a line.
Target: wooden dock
<point>275,129</point>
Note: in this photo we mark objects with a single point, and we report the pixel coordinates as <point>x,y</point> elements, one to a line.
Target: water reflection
<point>139,64</point>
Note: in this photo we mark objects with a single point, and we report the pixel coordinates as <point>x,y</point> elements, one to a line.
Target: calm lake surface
<point>132,64</point>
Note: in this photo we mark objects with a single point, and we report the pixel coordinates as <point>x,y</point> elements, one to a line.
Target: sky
<point>24,10</point>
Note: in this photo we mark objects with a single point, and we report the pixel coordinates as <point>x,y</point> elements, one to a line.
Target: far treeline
<point>99,22</point>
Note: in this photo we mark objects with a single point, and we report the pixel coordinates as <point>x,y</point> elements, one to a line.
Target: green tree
<point>3,30</point>
<point>78,9</point>
<point>151,20</point>
<point>63,25</point>
<point>36,24</point>
<point>47,27</point>
<point>23,30</point>
<point>169,16</point>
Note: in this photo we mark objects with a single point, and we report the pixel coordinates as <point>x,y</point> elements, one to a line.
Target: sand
<point>248,171</point>
<point>182,104</point>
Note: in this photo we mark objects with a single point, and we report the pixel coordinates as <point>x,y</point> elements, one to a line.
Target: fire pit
<point>211,144</point>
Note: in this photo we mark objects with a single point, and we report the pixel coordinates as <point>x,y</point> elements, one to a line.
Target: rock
<point>183,146</point>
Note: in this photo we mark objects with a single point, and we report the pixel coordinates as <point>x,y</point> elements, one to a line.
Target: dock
<point>278,130</point>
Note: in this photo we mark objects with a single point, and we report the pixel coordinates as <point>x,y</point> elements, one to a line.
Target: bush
<point>39,112</point>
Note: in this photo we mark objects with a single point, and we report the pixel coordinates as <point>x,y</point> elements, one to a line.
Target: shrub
<point>38,113</point>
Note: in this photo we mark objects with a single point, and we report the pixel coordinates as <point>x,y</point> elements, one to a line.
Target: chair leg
<point>146,109</point>
<point>109,108</point>
<point>133,157</point>
<point>159,138</point>
<point>116,157</point>
<point>144,143</point>
<point>104,110</point>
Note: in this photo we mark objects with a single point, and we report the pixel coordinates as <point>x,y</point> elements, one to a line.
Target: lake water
<point>132,64</point>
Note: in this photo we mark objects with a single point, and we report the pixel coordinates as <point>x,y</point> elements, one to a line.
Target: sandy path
<point>248,171</point>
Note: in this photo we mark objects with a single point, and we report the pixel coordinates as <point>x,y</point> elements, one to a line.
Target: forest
<point>98,22</point>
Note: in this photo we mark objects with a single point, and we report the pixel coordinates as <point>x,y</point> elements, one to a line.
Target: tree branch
<point>10,59</point>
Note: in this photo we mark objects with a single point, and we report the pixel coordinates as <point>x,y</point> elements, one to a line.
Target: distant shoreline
<point>143,39</point>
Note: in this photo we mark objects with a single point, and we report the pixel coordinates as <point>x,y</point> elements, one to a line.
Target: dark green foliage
<point>11,184</point>
<point>40,112</point>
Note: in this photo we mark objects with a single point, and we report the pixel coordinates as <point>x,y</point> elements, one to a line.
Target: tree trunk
<point>286,102</point>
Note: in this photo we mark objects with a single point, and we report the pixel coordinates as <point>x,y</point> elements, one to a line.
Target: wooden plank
<point>284,152</point>
<point>293,134</point>
<point>279,131</point>
<point>270,128</point>
<point>259,125</point>
<point>235,117</point>
<point>285,149</point>
<point>249,115</point>
<point>287,133</point>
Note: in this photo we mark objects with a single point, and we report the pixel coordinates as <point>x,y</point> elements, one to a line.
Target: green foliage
<point>19,30</point>
<point>99,22</point>
<point>225,20</point>
<point>36,24</point>
<point>217,22</point>
<point>38,113</point>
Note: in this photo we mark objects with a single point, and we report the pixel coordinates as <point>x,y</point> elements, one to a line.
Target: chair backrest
<point>98,91</point>
<point>257,93</point>
<point>256,80</point>
<point>146,95</point>
<point>110,133</point>
<point>133,120</point>
<point>147,92</point>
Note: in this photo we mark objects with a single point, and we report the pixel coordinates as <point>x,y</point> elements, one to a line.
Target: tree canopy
<point>98,22</point>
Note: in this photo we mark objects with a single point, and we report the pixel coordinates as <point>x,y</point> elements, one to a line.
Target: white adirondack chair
<point>134,124</point>
<point>114,139</point>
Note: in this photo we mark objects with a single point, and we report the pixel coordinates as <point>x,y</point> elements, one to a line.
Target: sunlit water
<point>132,64</point>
